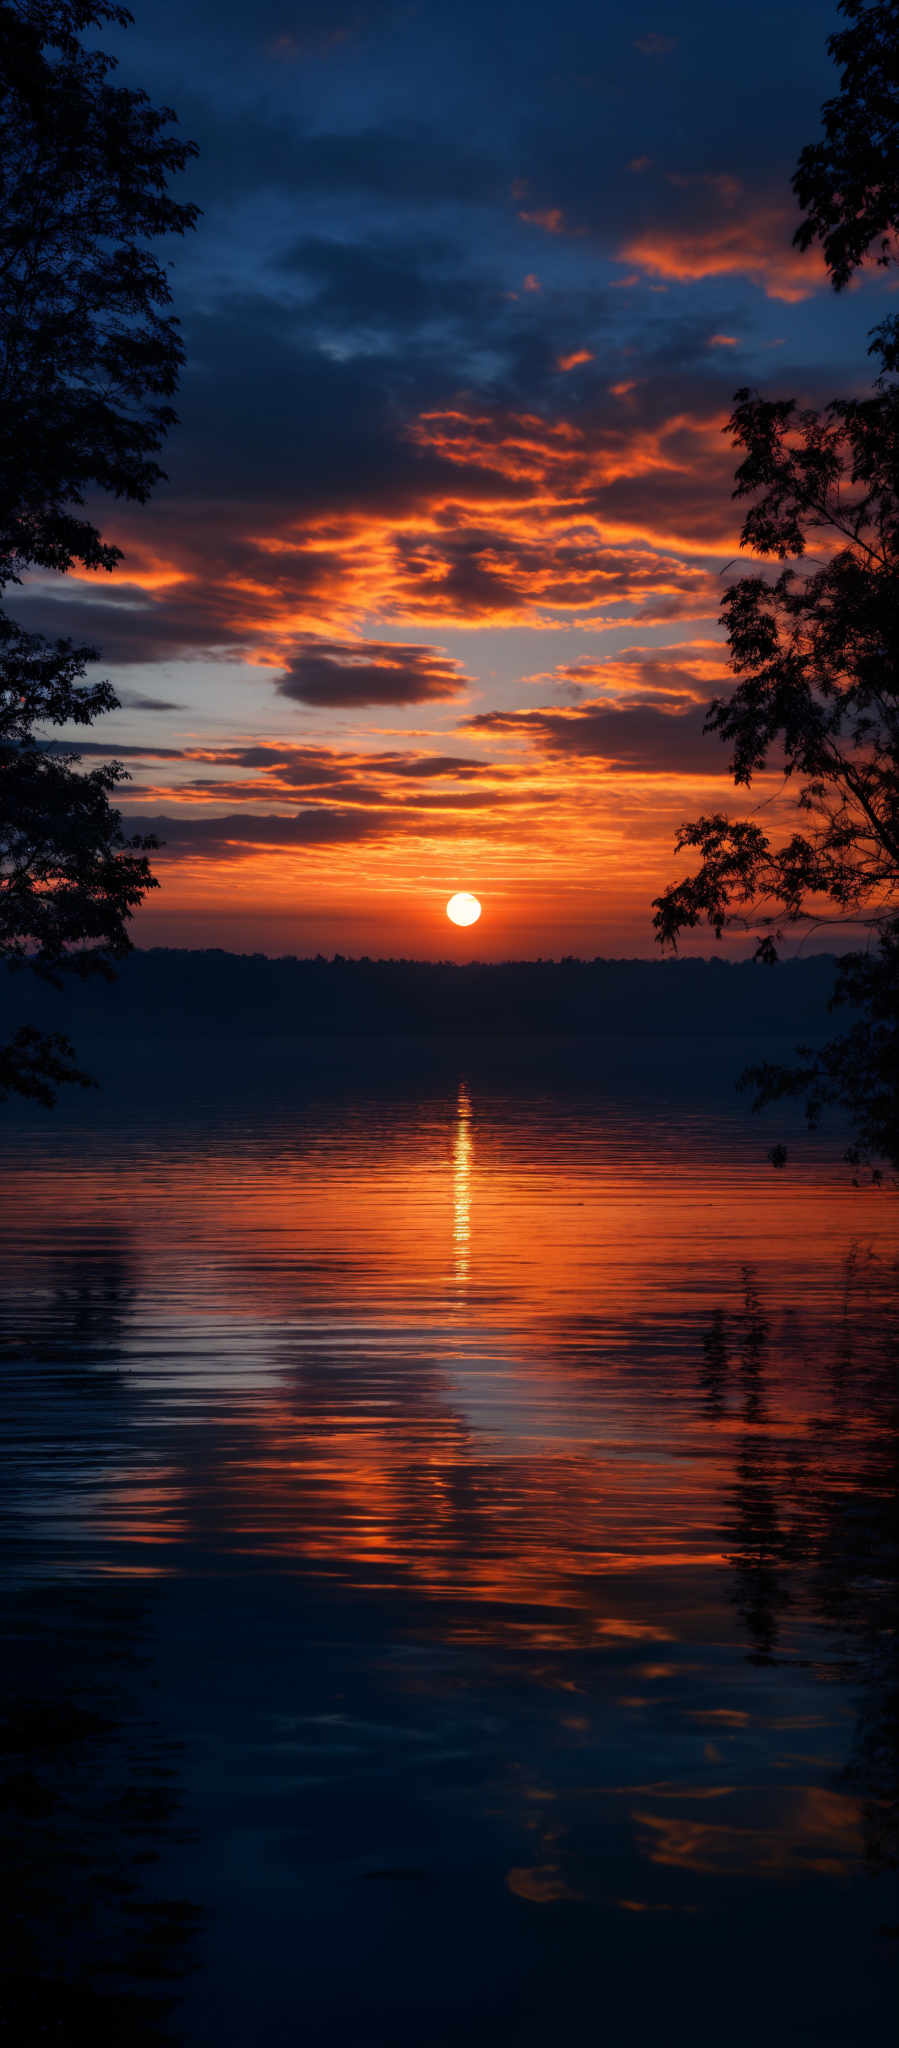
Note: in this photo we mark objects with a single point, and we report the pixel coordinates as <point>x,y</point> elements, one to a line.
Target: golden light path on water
<point>462,1164</point>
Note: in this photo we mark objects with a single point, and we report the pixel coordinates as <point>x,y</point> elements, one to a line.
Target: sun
<point>463,909</point>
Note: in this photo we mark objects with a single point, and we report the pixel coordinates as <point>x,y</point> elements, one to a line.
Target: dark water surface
<point>449,1544</point>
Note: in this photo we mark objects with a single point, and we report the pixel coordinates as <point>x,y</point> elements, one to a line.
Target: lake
<point>449,1555</point>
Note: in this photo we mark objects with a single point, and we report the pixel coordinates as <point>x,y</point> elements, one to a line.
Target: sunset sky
<point>429,601</point>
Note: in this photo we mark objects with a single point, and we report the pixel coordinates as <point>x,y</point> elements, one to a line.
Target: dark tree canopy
<point>68,886</point>
<point>815,649</point>
<point>848,184</point>
<point>89,362</point>
<point>89,354</point>
<point>814,643</point>
<point>69,877</point>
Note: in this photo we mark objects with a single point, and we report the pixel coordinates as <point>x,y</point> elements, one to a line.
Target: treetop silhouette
<point>815,644</point>
<point>89,362</point>
<point>848,183</point>
<point>89,353</point>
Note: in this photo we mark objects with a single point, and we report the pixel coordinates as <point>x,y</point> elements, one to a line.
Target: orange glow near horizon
<point>581,536</point>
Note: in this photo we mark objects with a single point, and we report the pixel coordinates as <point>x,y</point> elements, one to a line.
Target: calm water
<point>449,1541</point>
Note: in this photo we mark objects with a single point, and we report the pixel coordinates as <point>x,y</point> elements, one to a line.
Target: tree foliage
<point>814,642</point>
<point>89,353</point>
<point>89,362</point>
<point>815,649</point>
<point>68,886</point>
<point>848,183</point>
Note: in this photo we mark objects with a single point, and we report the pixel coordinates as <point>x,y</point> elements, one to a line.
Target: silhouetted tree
<point>89,355</point>
<point>69,879</point>
<point>848,185</point>
<point>815,646</point>
<point>89,361</point>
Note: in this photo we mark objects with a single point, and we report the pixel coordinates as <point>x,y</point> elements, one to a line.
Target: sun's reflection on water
<point>462,1171</point>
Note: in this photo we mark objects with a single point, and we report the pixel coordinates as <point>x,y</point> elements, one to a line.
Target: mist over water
<point>482,1467</point>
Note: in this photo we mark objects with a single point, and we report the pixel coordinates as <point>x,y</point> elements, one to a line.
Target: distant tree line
<point>232,995</point>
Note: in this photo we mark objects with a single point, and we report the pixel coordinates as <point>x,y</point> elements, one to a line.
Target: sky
<point>429,601</point>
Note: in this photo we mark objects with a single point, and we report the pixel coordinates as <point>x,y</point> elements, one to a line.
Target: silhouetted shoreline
<point>167,991</point>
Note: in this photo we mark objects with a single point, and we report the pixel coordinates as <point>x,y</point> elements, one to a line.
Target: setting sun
<point>463,909</point>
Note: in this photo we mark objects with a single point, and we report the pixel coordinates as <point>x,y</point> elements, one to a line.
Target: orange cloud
<point>685,673</point>
<point>572,362</point>
<point>396,782</point>
<point>562,470</point>
<point>520,518</point>
<point>550,218</point>
<point>353,673</point>
<point>646,739</point>
<point>147,571</point>
<point>756,243</point>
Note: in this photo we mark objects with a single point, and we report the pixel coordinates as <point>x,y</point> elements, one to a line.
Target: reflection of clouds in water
<point>539,1884</point>
<point>625,1436</point>
<point>809,1828</point>
<point>462,1165</point>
